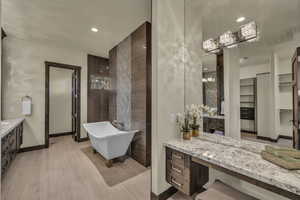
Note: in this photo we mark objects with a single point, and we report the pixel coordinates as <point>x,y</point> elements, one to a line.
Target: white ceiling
<point>68,22</point>
<point>278,21</point>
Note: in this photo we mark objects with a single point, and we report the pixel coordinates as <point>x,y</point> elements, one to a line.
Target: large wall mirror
<point>268,83</point>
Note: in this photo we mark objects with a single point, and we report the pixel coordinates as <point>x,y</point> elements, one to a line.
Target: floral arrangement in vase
<point>184,125</point>
<point>189,122</point>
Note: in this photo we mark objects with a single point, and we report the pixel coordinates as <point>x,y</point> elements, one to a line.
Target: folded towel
<point>283,151</point>
<point>282,161</point>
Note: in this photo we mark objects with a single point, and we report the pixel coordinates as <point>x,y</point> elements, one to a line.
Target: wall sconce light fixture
<point>211,45</point>
<point>229,39</point>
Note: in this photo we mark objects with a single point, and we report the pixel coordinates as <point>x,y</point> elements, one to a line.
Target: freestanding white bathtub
<point>107,140</point>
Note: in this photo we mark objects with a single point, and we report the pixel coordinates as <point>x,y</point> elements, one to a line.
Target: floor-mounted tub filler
<point>109,141</point>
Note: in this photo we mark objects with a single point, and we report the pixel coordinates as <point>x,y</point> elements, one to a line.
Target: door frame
<point>76,69</point>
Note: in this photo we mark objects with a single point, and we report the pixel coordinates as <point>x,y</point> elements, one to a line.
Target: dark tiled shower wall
<point>130,65</point>
<point>98,100</point>
<point>113,75</point>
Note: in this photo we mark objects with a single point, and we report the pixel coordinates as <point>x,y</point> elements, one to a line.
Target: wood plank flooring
<point>63,172</point>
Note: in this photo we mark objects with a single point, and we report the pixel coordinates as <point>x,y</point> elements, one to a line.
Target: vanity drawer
<point>179,182</point>
<point>177,158</point>
<point>178,171</point>
<point>183,174</point>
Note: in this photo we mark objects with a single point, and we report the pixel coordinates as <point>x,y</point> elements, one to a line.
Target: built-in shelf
<point>248,104</point>
<point>286,109</point>
<point>287,82</point>
<point>285,74</point>
<point>247,94</point>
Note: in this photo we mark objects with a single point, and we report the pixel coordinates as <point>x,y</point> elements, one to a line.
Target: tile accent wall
<point>124,82</point>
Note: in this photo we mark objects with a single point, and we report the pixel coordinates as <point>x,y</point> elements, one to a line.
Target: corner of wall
<point>167,81</point>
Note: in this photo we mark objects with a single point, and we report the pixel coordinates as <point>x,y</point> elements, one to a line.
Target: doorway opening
<point>57,122</point>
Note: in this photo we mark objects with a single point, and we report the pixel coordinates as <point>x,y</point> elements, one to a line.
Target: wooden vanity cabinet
<point>183,174</point>
<point>10,145</point>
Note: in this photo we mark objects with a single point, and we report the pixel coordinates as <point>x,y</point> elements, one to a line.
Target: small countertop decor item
<point>195,113</point>
<point>184,125</point>
<point>284,157</point>
<point>195,117</point>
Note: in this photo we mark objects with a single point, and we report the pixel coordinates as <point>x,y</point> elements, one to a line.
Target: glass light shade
<point>228,39</point>
<point>210,79</point>
<point>249,31</point>
<point>100,83</point>
<point>210,45</point>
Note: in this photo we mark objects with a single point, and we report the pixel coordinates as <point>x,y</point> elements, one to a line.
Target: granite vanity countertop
<point>239,156</point>
<point>7,126</point>
<point>214,117</point>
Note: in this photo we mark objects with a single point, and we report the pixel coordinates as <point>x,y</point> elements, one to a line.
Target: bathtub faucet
<point>119,125</point>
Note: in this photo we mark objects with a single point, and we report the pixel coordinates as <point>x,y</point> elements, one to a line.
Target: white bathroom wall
<point>265,107</point>
<point>250,71</point>
<point>24,74</point>
<point>193,61</point>
<point>60,101</point>
<point>275,98</point>
<point>232,93</point>
<point>167,81</point>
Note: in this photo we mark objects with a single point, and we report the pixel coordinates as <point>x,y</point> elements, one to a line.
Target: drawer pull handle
<point>176,183</point>
<point>176,170</point>
<point>178,157</point>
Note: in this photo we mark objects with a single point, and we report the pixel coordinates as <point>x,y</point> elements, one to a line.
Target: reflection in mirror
<point>266,76</point>
<point>213,93</point>
<point>266,84</point>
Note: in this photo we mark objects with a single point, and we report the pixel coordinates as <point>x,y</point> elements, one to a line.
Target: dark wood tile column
<point>220,81</point>
<point>113,92</point>
<point>141,94</point>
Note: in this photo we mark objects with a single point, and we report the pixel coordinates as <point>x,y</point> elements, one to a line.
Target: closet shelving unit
<point>248,104</point>
<point>286,111</point>
<point>285,80</point>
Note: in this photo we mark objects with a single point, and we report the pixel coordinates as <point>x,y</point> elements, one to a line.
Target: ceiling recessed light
<point>94,29</point>
<point>240,19</point>
<point>205,69</point>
